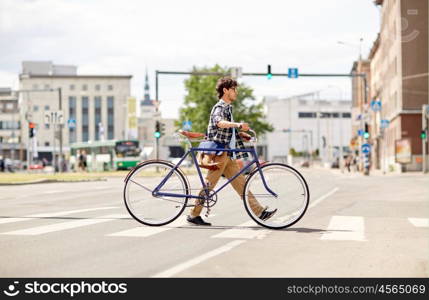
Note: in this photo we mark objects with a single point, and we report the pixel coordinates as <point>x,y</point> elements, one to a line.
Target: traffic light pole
<point>425,139</point>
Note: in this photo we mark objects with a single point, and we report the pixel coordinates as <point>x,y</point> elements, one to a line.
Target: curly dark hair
<point>225,82</point>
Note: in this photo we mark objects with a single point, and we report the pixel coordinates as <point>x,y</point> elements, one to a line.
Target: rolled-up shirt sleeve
<point>217,115</point>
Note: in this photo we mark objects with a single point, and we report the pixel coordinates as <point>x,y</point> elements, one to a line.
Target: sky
<point>128,37</point>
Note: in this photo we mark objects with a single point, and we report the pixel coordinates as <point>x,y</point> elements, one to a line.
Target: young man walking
<point>225,132</point>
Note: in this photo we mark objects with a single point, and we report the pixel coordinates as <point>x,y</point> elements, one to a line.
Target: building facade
<point>399,79</point>
<point>94,106</point>
<point>10,125</point>
<point>307,124</point>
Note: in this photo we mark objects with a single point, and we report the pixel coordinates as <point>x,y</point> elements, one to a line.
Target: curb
<point>50,181</point>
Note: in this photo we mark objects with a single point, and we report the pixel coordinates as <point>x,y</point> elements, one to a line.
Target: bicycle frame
<point>192,151</point>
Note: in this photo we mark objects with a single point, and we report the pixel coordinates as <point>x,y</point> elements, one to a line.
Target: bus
<point>106,155</point>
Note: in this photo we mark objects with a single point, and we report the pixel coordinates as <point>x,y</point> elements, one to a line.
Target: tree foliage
<point>201,96</point>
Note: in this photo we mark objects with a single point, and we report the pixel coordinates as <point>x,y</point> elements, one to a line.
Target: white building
<point>88,101</point>
<point>307,124</point>
<point>10,125</point>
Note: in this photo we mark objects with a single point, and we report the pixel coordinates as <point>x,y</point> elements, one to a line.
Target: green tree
<point>201,96</point>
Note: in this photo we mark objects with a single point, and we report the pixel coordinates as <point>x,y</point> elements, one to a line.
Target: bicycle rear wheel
<point>291,195</point>
<point>155,210</point>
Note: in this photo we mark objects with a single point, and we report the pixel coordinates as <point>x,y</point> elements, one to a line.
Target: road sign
<point>360,132</point>
<point>187,125</point>
<point>366,148</point>
<point>376,105</point>
<point>71,123</point>
<point>292,73</point>
<point>54,117</point>
<point>384,123</point>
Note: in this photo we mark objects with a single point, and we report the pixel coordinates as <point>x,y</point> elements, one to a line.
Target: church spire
<point>146,98</point>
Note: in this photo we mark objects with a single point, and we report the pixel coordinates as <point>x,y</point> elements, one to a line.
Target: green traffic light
<point>157,135</point>
<point>423,135</point>
<point>269,76</point>
<point>366,135</point>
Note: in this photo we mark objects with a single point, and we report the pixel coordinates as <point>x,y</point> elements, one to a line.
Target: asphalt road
<point>356,226</point>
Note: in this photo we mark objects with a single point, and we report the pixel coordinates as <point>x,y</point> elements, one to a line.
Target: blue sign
<point>360,132</point>
<point>71,123</point>
<point>384,123</point>
<point>292,73</point>
<point>187,125</point>
<point>376,105</point>
<point>366,148</point>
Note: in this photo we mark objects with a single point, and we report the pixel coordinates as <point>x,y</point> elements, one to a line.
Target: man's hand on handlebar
<point>245,126</point>
<point>245,136</point>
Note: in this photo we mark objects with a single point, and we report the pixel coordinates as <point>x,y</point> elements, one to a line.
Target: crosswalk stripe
<point>65,225</point>
<point>345,228</point>
<point>50,215</point>
<point>243,233</point>
<point>419,222</point>
<point>145,231</point>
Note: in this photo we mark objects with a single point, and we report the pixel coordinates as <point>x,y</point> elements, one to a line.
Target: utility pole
<point>425,115</point>
<point>60,158</point>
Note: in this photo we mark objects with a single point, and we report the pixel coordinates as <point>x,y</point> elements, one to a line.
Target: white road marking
<point>243,233</point>
<point>145,231</point>
<point>51,192</point>
<point>51,215</point>
<point>183,266</point>
<point>65,225</point>
<point>320,199</point>
<point>345,228</point>
<point>419,222</point>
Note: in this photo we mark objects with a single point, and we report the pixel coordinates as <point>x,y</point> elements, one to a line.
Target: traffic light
<point>423,134</point>
<point>161,128</point>
<point>366,132</point>
<point>157,133</point>
<point>269,74</point>
<point>31,129</point>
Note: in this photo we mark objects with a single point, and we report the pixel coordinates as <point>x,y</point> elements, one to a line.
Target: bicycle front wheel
<point>155,210</point>
<point>276,186</point>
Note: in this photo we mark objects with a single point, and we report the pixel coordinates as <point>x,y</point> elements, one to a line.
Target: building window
<point>35,108</point>
<point>46,107</point>
<point>306,114</point>
<point>46,144</point>
<point>110,118</point>
<point>97,87</point>
<point>335,115</point>
<point>72,115</point>
<point>97,121</point>
<point>72,87</point>
<point>84,87</point>
<point>46,126</point>
<point>110,87</point>
<point>346,115</point>
<point>47,87</point>
<point>325,115</point>
<point>85,121</point>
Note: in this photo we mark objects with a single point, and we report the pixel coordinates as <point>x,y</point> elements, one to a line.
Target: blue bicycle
<point>156,192</point>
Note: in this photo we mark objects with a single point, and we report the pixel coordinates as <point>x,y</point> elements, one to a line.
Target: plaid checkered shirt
<point>222,111</point>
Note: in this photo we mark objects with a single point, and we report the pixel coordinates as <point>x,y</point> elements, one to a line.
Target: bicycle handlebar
<point>194,136</point>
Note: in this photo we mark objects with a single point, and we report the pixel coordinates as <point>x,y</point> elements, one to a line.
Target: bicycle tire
<point>157,164</point>
<point>278,182</point>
